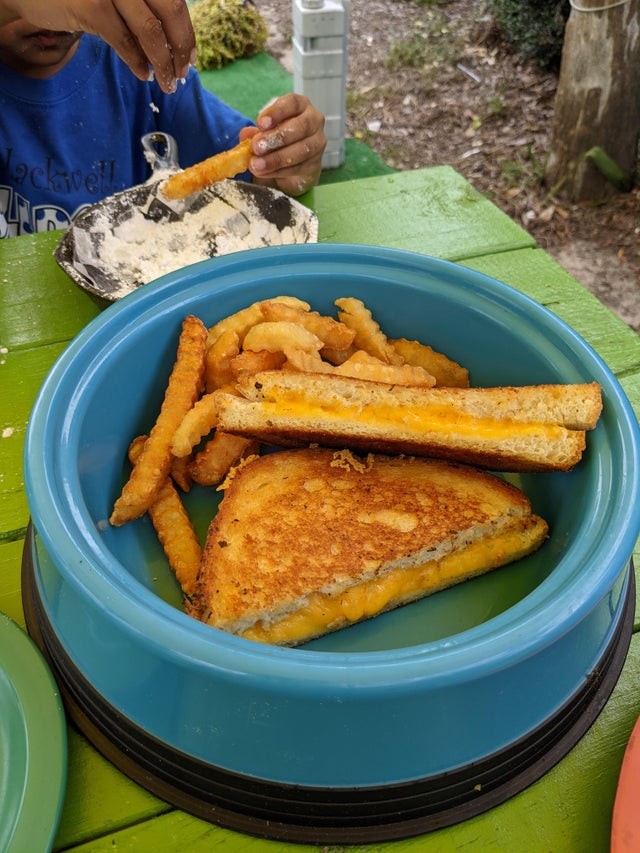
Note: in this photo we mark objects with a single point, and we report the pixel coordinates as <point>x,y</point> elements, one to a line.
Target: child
<point>72,115</point>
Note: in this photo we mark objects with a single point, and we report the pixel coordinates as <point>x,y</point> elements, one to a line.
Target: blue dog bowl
<point>412,720</point>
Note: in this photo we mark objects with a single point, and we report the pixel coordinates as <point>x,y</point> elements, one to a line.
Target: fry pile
<point>282,333</point>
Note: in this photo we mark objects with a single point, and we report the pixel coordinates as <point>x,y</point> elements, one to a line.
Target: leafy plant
<point>407,53</point>
<point>527,170</point>
<point>226,30</point>
<point>535,28</point>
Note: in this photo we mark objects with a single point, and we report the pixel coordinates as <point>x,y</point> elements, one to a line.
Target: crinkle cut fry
<point>198,177</point>
<point>368,334</point>
<point>173,528</point>
<point>211,465</point>
<point>218,358</point>
<point>197,422</point>
<point>180,472</point>
<point>183,389</point>
<point>241,321</point>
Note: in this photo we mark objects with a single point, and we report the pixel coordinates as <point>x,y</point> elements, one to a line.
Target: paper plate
<point>113,247</point>
<point>33,745</point>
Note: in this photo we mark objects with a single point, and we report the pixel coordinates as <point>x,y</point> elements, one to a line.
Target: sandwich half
<point>528,428</point>
<point>309,541</point>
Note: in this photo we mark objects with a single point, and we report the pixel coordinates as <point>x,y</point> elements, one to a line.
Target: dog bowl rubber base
<point>313,815</point>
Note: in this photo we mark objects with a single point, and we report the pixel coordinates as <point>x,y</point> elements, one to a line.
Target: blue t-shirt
<point>71,140</point>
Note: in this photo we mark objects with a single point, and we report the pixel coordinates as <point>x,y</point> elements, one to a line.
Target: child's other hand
<point>288,144</point>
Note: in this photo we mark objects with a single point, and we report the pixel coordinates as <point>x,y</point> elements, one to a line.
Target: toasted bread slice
<point>308,541</point>
<point>529,428</point>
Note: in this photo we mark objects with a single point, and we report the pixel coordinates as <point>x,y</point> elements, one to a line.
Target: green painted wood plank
<point>537,274</point>
<point>449,218</point>
<point>26,307</point>
<point>568,810</point>
<point>23,373</point>
<point>99,798</point>
<point>10,562</point>
<point>359,162</point>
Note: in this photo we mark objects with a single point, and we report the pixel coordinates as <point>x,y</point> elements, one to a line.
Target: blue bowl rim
<point>524,629</point>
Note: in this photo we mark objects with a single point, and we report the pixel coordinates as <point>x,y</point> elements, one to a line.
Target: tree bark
<point>597,101</point>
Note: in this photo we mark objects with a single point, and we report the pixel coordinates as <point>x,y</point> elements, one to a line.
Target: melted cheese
<point>323,612</point>
<point>433,418</point>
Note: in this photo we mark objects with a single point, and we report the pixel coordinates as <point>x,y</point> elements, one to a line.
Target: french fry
<point>180,473</point>
<point>217,361</point>
<point>183,389</point>
<point>173,527</point>
<point>212,464</point>
<point>198,177</point>
<point>369,337</point>
<point>281,336</point>
<point>198,422</point>
<point>306,362</point>
<point>361,365</point>
<point>331,332</point>
<point>248,362</point>
<point>241,321</point>
<point>447,372</point>
<point>337,356</point>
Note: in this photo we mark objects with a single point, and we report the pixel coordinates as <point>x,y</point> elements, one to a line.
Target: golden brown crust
<point>301,521</point>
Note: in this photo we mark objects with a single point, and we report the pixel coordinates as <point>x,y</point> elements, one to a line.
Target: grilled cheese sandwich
<point>529,428</point>
<point>309,541</point>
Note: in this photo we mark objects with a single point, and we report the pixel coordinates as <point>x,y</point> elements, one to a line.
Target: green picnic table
<point>433,211</point>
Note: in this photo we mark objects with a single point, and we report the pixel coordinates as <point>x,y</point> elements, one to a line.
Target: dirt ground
<point>433,83</point>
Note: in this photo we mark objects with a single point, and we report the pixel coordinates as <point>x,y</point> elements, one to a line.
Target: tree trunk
<point>597,101</point>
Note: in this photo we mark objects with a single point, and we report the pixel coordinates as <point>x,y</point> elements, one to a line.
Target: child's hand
<point>288,144</point>
<point>148,34</point>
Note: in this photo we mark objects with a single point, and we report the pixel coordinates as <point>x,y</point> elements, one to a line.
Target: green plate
<point>33,745</point>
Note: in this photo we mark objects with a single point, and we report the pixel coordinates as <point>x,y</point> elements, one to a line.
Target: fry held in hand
<point>198,177</point>
<point>173,527</point>
<point>155,460</point>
